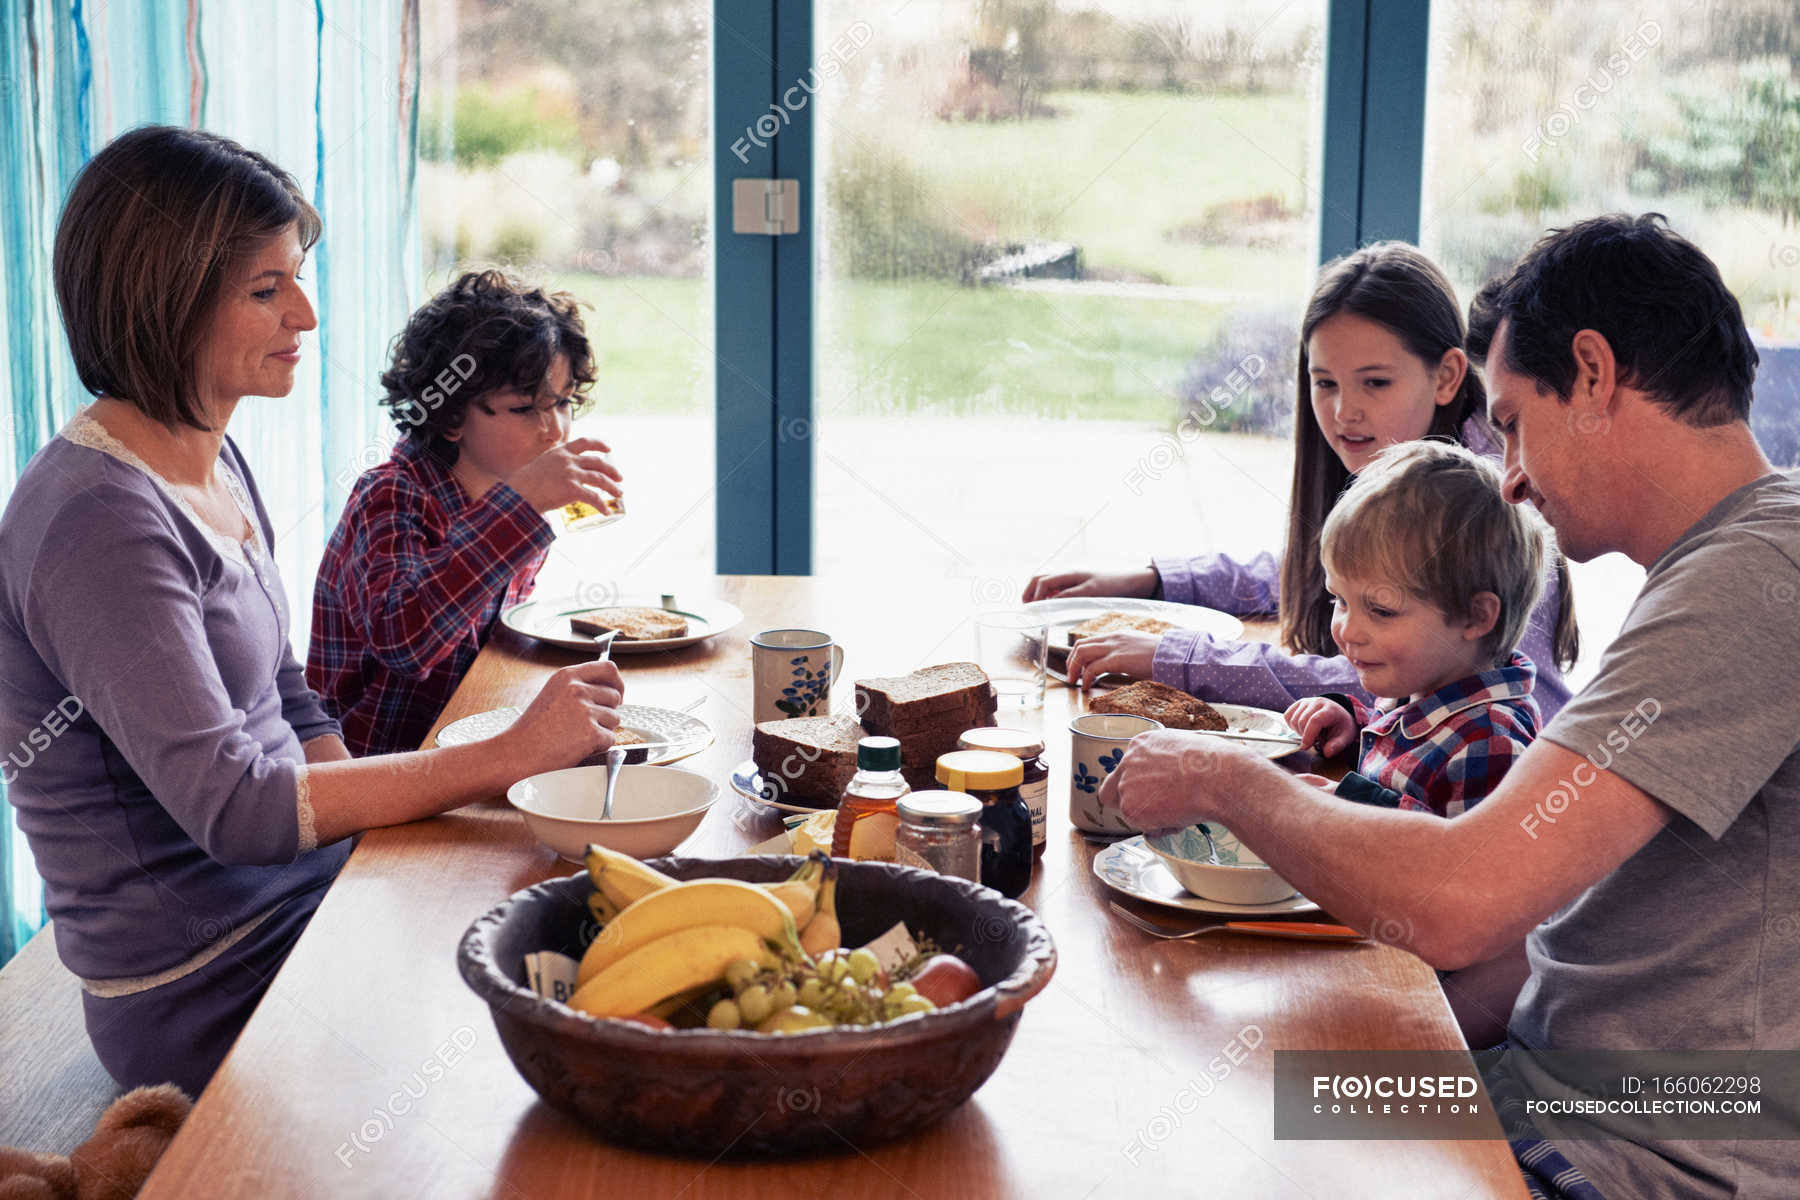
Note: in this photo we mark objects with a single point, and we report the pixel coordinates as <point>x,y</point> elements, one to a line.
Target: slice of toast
<point>634,624</point>
<point>1118,622</point>
<point>807,760</point>
<point>1174,708</point>
<point>892,702</point>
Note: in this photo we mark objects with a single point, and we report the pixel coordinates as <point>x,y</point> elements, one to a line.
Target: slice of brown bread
<point>1118,622</point>
<point>633,624</point>
<point>976,712</point>
<point>807,760</point>
<point>1160,702</point>
<point>905,701</point>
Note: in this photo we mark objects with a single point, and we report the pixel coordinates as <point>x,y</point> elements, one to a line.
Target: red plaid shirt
<point>1447,751</point>
<point>411,583</point>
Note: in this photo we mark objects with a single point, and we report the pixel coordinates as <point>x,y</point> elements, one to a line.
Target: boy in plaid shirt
<point>483,384</point>
<point>1433,576</point>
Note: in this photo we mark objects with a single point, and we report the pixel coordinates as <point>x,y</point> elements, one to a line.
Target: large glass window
<point>1063,255</point>
<point>1543,112</point>
<point>569,140</point>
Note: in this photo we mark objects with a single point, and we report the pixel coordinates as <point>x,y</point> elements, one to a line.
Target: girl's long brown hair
<point>1397,287</point>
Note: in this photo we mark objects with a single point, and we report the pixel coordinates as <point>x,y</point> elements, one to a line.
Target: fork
<point>1306,931</point>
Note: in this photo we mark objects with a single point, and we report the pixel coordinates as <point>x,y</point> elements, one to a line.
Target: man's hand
<point>1322,724</point>
<point>1170,778</point>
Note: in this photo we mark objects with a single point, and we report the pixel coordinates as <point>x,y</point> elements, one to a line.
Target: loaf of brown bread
<point>927,710</point>
<point>807,760</point>
<point>1160,702</point>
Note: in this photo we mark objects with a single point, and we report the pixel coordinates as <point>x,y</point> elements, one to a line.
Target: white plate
<point>687,735</point>
<point>1133,868</point>
<point>747,782</point>
<point>547,620</point>
<point>1061,614</point>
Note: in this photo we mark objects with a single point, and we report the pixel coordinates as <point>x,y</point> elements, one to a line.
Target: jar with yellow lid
<point>993,778</point>
<point>1034,788</point>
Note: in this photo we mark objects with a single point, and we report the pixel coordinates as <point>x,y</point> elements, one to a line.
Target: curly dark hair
<point>484,333</point>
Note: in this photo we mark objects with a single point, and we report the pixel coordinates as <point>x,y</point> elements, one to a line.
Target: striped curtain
<point>326,88</point>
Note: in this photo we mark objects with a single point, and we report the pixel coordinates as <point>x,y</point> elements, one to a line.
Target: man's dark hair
<point>1675,331</point>
<point>486,332</point>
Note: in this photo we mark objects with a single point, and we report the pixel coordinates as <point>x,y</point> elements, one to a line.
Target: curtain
<point>328,89</point>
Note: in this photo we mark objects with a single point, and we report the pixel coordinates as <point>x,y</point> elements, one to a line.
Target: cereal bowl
<point>1218,867</point>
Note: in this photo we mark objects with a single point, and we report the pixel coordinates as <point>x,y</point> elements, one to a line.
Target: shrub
<point>1242,379</point>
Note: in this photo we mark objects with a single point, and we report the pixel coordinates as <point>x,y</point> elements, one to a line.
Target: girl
<point>1381,362</point>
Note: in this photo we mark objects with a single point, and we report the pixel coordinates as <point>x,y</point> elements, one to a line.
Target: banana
<point>687,958</point>
<point>697,902</point>
<point>822,933</point>
<point>623,878</point>
<point>800,893</point>
<point>602,909</point>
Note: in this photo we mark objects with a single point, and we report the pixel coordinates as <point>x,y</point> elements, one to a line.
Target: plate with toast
<point>643,623</point>
<point>648,734</point>
<point>1259,730</point>
<point>1072,618</point>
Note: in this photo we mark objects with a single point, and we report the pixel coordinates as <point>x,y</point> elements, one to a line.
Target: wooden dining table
<point>1145,1068</point>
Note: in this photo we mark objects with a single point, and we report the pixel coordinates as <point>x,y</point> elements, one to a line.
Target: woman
<point>1381,362</point>
<point>190,815</point>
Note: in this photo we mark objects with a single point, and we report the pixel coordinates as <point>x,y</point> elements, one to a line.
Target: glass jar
<point>940,831</point>
<point>993,778</point>
<point>866,816</point>
<point>1034,788</point>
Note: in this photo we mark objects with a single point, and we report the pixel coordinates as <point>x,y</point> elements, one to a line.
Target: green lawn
<point>912,348</point>
<point>1118,174</point>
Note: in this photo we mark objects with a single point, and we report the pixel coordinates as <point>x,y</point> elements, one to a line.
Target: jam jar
<point>993,779</point>
<point>1034,788</point>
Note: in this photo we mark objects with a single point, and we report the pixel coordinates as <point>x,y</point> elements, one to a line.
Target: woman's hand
<point>1141,583</point>
<point>577,470</point>
<point>1170,778</point>
<point>1127,652</point>
<point>1322,724</point>
<point>572,716</point>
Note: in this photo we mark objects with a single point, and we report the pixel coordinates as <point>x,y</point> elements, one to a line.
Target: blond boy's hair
<point>1429,517</point>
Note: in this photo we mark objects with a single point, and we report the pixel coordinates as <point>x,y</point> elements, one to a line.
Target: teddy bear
<point>111,1165</point>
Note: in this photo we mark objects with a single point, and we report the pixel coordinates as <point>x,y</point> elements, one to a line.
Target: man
<point>1646,844</point>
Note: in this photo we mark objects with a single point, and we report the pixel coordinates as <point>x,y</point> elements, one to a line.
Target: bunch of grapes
<point>844,987</point>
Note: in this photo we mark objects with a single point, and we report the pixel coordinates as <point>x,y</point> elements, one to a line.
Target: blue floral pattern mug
<point>1097,745</point>
<point>791,673</point>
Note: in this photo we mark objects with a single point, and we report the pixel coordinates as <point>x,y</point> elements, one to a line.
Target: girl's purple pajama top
<point>1262,675</point>
<point>152,715</point>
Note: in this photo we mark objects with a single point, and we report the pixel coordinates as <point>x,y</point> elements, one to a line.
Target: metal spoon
<point>615,758</point>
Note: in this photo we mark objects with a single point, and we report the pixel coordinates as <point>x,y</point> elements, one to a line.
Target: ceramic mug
<point>1098,742</point>
<point>791,672</point>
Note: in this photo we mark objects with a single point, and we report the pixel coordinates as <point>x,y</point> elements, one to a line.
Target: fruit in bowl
<point>866,1062</point>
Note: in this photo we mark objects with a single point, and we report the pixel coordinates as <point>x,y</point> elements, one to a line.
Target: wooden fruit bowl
<point>710,1092</point>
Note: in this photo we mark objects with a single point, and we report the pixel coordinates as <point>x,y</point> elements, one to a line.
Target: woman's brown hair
<point>1397,287</point>
<point>151,232</point>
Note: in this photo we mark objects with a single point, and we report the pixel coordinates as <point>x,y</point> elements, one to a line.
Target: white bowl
<point>654,808</point>
<point>1228,871</point>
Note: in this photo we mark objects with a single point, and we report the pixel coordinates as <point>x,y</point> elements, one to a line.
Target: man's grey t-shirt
<point>1694,942</point>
